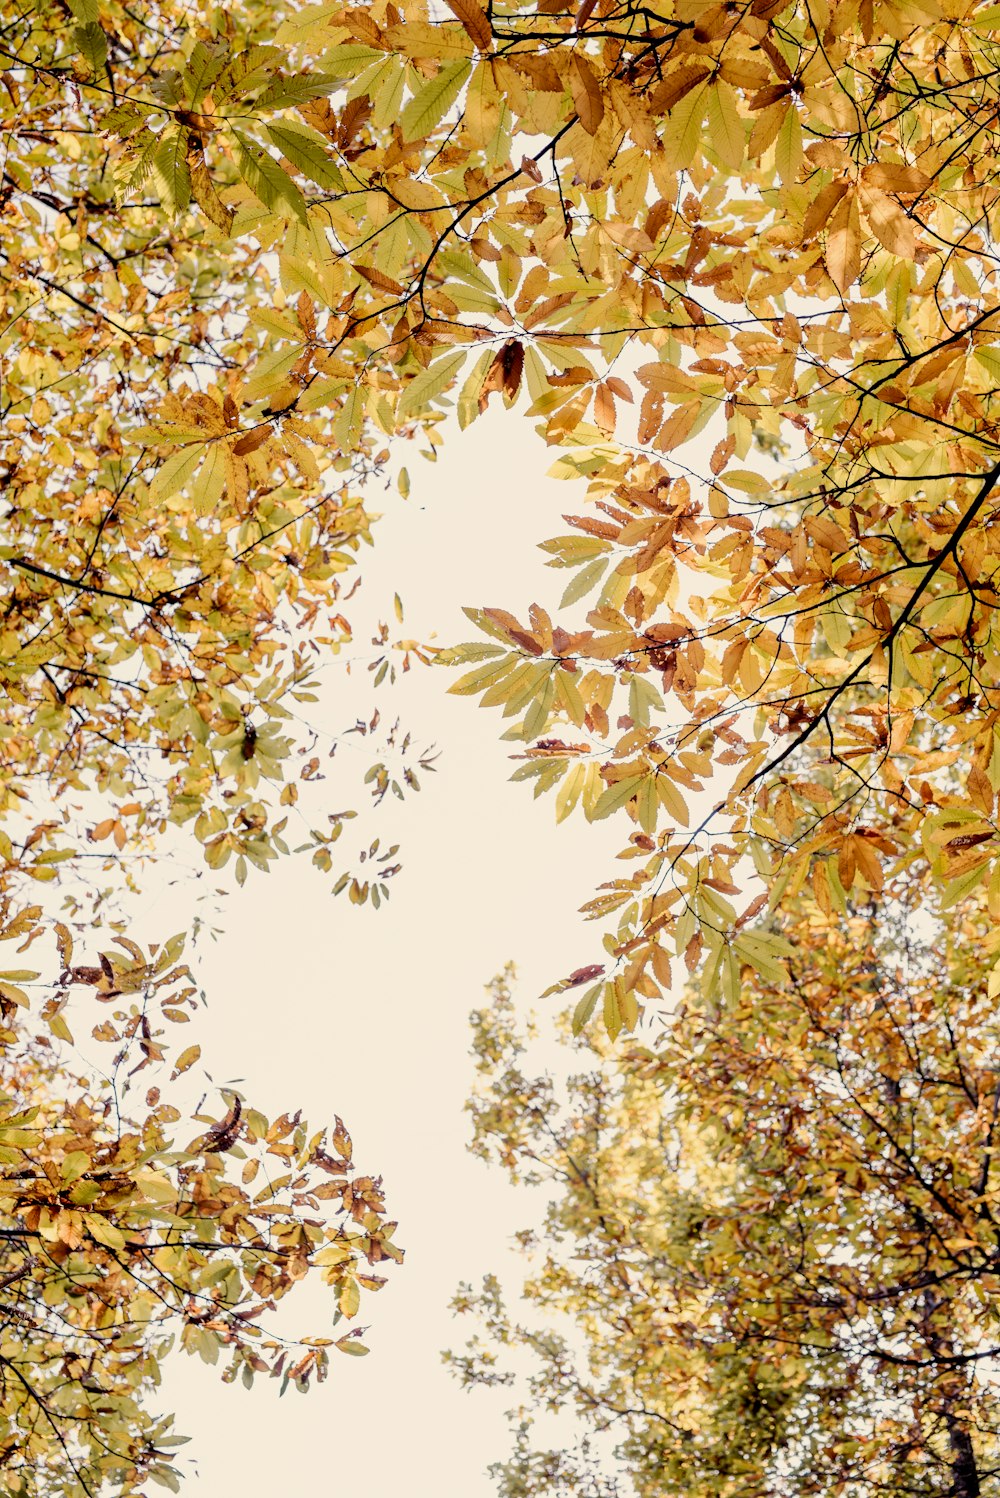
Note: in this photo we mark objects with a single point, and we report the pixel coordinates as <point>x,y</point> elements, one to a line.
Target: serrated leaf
<point>204,66</point>
<point>93,45</point>
<point>585,1007</point>
<point>266,179</point>
<point>349,60</point>
<point>430,383</point>
<point>306,150</point>
<point>171,171</point>
<point>136,167</point>
<point>434,100</point>
<point>615,797</point>
<point>788,147</point>
<point>286,93</point>
<point>177,471</point>
<point>584,582</point>
<point>725,127</point>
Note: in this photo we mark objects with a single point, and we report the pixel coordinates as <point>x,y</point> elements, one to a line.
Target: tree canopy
<point>770,1259</point>
<point>772,224</point>
<point>174,562</point>
<point>736,261</point>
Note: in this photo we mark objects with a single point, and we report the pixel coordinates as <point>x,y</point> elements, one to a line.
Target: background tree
<point>770,1262</point>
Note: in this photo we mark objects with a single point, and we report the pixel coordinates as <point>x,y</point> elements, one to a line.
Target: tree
<point>251,250</point>
<point>816,280</point>
<point>770,1261</point>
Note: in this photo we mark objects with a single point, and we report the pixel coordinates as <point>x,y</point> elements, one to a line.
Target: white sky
<point>317,1004</point>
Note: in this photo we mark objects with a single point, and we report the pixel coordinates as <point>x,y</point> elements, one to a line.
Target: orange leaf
<point>888,222</point>
<point>586,93</point>
<point>475,21</point>
<point>891,177</point>
<point>843,245</point>
<point>605,415</point>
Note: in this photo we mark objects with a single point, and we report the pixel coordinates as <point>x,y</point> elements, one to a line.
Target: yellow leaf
<point>725,127</point>
<point>843,244</point>
<point>889,223</point>
<point>682,130</point>
<point>788,147</point>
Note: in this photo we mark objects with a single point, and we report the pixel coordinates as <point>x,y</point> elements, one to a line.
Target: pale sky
<point>317,1004</point>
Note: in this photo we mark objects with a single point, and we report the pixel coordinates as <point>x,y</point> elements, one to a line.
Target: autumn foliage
<point>770,1262</point>
<point>737,263</point>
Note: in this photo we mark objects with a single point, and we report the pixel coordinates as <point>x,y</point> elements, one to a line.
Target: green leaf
<point>958,889</point>
<point>171,171</point>
<point>584,582</point>
<point>430,383</point>
<point>989,358</point>
<point>433,101</point>
<point>123,120</point>
<point>306,150</point>
<point>615,797</point>
<point>350,60</point>
<point>247,71</point>
<point>284,93</point>
<point>585,1007</point>
<point>93,44</point>
<point>136,167</point>
<point>266,179</point>
<point>205,65</point>
<point>484,676</point>
<point>763,950</point>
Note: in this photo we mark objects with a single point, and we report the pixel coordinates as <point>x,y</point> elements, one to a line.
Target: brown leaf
<point>379,279</point>
<point>889,223</point>
<point>821,207</point>
<point>475,21</point>
<point>584,974</point>
<point>513,629</point>
<point>605,415</point>
<point>512,364</point>
<point>586,91</point>
<point>722,453</point>
<point>252,440</point>
<point>222,1136</point>
<point>676,85</point>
